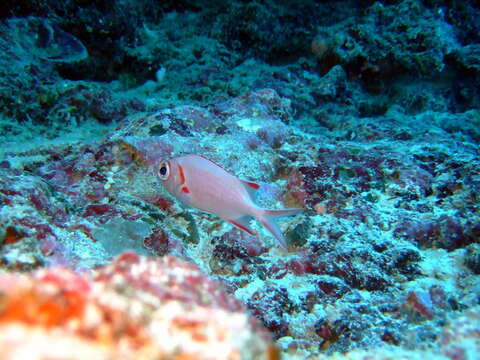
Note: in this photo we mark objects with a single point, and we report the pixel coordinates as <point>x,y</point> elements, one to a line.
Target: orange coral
<point>134,308</point>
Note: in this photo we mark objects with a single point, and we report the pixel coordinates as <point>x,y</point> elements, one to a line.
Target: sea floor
<point>375,137</point>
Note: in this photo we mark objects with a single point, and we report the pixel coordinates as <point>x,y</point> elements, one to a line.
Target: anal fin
<point>242,223</point>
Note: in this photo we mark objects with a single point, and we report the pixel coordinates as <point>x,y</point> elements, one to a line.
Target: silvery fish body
<point>205,185</point>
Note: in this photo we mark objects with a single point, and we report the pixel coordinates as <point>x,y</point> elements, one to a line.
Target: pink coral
<point>136,307</point>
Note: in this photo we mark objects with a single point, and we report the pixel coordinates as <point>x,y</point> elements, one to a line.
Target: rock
<point>136,307</point>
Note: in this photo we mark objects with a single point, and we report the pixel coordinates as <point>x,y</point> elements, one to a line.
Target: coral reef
<point>364,114</point>
<point>369,229</point>
<point>133,308</point>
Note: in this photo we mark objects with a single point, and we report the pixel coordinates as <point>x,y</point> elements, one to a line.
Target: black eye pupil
<point>163,170</point>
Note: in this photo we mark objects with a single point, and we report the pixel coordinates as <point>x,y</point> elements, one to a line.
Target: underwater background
<point>364,113</point>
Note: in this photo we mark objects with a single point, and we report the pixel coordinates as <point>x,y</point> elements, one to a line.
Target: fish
<point>203,184</point>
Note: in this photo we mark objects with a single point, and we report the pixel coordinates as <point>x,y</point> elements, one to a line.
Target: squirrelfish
<point>203,184</point>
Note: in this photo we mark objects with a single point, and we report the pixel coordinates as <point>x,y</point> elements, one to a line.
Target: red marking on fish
<point>252,185</point>
<point>240,226</point>
<point>185,190</point>
<point>182,175</point>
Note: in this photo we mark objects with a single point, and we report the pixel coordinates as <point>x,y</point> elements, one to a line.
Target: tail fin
<point>267,218</point>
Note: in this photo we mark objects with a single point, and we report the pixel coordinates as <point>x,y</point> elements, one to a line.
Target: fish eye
<point>164,171</point>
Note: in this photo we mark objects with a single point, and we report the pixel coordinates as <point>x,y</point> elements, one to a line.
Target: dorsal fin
<point>250,186</point>
<point>213,162</point>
